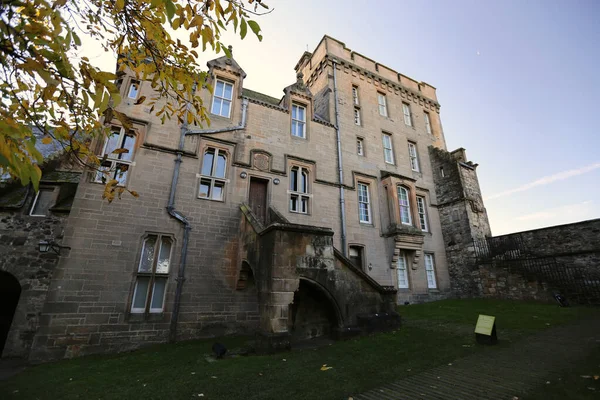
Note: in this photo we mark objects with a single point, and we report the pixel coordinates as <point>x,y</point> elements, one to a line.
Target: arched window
<point>299,190</point>
<point>152,275</point>
<point>404,204</point>
<point>119,148</point>
<point>214,168</point>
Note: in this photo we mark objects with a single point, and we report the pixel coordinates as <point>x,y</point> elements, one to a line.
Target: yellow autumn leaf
<point>47,140</point>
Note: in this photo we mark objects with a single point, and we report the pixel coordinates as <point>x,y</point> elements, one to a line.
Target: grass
<point>181,371</point>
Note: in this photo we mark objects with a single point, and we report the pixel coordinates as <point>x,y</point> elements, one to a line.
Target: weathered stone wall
<point>573,245</point>
<point>20,235</point>
<point>535,270</point>
<point>497,281</point>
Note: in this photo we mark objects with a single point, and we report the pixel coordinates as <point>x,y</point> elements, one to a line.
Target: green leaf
<point>243,28</point>
<point>170,7</point>
<point>255,28</point>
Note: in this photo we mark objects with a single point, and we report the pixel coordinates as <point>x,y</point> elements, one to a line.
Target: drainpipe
<point>187,227</point>
<point>340,165</point>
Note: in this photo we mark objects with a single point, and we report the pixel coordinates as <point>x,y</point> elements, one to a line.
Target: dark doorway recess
<point>10,291</point>
<point>313,313</point>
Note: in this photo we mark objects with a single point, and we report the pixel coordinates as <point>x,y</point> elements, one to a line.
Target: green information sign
<point>485,325</point>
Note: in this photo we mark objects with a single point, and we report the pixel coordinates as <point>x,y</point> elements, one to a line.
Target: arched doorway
<point>10,291</point>
<point>313,313</point>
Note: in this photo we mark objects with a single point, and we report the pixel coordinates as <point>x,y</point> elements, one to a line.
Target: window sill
<point>366,224</point>
<point>403,290</point>
<point>298,137</point>
<point>206,198</point>
<point>218,117</point>
<point>143,317</point>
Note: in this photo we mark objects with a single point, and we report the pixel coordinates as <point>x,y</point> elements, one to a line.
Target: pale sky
<point>517,81</point>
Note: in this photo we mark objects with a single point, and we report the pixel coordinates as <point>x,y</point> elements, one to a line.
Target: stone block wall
<point>20,235</point>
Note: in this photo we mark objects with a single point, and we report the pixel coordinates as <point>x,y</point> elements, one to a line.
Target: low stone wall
<point>573,245</point>
<point>534,264</point>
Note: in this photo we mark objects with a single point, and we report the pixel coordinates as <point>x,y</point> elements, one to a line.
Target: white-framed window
<point>222,98</point>
<point>412,153</point>
<point>298,121</point>
<point>119,148</point>
<point>404,204</point>
<point>212,179</point>
<point>299,195</point>
<point>422,213</point>
<point>427,123</point>
<point>430,271</point>
<point>364,203</point>
<point>360,146</point>
<point>355,96</point>
<point>42,202</point>
<point>381,101</point>
<point>133,91</point>
<point>152,275</point>
<point>406,112</point>
<point>356,116</point>
<point>388,151</point>
<point>401,268</point>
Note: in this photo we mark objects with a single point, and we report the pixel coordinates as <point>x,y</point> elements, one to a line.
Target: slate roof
<point>251,94</point>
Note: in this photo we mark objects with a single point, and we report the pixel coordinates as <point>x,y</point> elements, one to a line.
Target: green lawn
<point>181,371</point>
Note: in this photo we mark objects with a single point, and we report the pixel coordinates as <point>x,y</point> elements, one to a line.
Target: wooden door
<point>257,198</point>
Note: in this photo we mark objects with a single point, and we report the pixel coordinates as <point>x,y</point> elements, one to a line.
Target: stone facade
<point>273,157</point>
<point>25,271</point>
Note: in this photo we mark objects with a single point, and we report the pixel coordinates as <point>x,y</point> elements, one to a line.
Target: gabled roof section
<point>226,64</point>
<point>299,88</point>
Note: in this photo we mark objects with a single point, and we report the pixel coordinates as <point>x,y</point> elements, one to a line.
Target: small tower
<point>462,214</point>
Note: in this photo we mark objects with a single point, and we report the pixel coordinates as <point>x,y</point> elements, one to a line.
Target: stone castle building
<point>296,217</point>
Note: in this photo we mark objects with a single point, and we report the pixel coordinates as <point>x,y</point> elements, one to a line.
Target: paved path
<point>499,373</point>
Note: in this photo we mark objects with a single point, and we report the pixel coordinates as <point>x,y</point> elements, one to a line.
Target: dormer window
<point>134,89</point>
<point>299,121</point>
<point>222,98</point>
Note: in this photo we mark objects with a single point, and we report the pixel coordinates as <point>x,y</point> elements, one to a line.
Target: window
<point>364,203</point>
<point>42,202</point>
<point>404,205</point>
<point>356,255</point>
<point>355,95</point>
<point>299,190</point>
<point>412,153</point>
<point>430,270</point>
<point>118,149</point>
<point>427,123</point>
<point>388,152</point>
<point>402,271</point>
<point>298,121</point>
<point>422,213</point>
<point>134,89</point>
<point>212,180</point>
<point>382,104</point>
<point>406,111</point>
<point>360,146</point>
<point>223,95</point>
<point>152,274</point>
<point>356,116</point>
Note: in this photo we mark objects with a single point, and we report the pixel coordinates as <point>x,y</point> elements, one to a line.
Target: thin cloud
<point>547,180</point>
<point>550,214</point>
